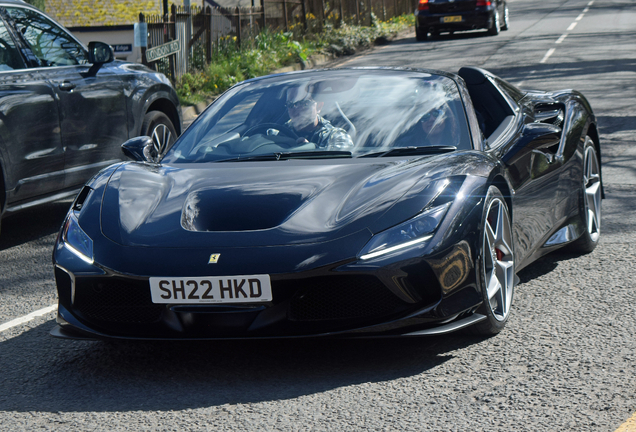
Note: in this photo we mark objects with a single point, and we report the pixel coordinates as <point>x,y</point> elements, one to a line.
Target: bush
<point>272,50</point>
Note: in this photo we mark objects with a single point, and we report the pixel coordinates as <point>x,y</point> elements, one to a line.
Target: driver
<point>305,120</point>
<point>439,127</point>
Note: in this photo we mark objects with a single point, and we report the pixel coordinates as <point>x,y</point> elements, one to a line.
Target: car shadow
<point>31,224</point>
<point>463,35</point>
<point>51,375</point>
<point>546,264</point>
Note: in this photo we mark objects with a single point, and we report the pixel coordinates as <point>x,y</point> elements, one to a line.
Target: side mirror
<point>99,53</point>
<point>140,149</point>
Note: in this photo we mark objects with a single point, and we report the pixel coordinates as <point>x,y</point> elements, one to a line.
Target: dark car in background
<point>436,16</point>
<point>65,109</point>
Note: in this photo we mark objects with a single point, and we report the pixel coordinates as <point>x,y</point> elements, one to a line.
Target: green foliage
<point>40,4</point>
<point>270,50</point>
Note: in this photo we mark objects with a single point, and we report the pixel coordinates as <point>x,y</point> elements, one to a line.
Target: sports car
<point>340,202</point>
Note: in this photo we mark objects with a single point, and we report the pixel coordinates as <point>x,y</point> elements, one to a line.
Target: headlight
<point>416,230</point>
<point>76,240</point>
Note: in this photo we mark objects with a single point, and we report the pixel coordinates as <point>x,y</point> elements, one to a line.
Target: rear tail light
<point>423,5</point>
<point>483,2</point>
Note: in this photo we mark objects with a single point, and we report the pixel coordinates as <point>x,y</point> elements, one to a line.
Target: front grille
<point>342,298</point>
<point>452,7</point>
<point>116,301</point>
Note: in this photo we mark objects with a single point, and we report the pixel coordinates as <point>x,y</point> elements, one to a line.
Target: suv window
<point>49,42</point>
<point>9,55</point>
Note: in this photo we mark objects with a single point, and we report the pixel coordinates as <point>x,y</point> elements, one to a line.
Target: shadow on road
<point>49,375</point>
<point>32,224</point>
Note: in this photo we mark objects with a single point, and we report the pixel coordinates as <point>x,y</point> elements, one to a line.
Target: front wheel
<point>158,126</point>
<point>495,265</point>
<point>590,201</point>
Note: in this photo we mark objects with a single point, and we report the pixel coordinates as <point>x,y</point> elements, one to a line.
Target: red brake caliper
<point>499,254</point>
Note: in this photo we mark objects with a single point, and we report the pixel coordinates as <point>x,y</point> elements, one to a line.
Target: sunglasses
<point>300,104</point>
<point>431,115</point>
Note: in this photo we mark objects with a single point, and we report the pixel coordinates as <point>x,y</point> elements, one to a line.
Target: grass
<point>272,50</point>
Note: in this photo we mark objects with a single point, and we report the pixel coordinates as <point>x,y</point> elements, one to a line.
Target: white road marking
<point>563,36</point>
<point>547,55</point>
<point>580,17</point>
<point>27,318</point>
<point>572,26</point>
<point>591,3</point>
<point>586,10</point>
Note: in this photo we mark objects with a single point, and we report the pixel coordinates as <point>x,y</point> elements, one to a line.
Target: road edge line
<point>24,319</point>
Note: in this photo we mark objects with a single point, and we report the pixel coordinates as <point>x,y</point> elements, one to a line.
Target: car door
<point>534,173</point>
<point>92,100</point>
<point>31,151</point>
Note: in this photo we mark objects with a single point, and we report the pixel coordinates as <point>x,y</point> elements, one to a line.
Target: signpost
<point>161,51</point>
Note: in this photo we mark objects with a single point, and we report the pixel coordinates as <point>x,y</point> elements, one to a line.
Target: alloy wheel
<point>592,185</point>
<point>498,262</point>
<point>161,137</point>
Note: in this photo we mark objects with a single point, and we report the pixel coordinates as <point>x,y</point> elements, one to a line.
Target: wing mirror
<point>141,149</point>
<point>100,53</point>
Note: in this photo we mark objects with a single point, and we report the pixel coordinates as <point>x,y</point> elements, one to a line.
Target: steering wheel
<point>282,129</point>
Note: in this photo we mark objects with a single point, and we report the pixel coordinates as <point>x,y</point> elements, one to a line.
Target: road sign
<point>154,54</point>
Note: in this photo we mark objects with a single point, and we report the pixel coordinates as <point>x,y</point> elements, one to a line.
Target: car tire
<point>158,126</point>
<point>493,30</point>
<point>589,201</point>
<point>506,19</point>
<point>495,265</point>
<point>421,34</point>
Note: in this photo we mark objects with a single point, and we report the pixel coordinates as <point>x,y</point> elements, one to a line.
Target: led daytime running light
<point>394,248</point>
<point>77,241</point>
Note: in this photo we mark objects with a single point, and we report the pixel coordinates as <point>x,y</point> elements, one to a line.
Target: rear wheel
<point>496,265</point>
<point>590,201</point>
<point>158,126</point>
<point>495,25</point>
<point>506,18</point>
<point>421,34</point>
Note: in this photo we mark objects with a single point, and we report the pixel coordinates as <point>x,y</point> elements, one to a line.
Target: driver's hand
<point>301,140</point>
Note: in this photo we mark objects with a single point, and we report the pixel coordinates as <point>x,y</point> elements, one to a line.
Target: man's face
<point>302,110</point>
<point>429,119</point>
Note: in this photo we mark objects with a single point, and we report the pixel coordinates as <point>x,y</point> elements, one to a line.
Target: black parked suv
<point>436,16</point>
<point>66,109</point>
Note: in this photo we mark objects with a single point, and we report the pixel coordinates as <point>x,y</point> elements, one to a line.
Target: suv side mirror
<point>99,53</point>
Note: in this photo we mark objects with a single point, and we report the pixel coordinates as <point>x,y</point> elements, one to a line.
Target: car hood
<point>261,203</point>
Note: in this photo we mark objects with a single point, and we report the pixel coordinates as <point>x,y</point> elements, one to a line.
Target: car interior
<point>492,108</point>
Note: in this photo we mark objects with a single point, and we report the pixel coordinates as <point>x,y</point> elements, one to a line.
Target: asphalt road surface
<point>565,362</point>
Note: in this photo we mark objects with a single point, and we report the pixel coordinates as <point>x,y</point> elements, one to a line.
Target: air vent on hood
<point>231,209</point>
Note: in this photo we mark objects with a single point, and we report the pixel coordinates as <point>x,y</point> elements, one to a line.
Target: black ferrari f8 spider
<point>357,202</point>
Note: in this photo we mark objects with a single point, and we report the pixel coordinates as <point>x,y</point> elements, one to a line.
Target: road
<point>565,362</point>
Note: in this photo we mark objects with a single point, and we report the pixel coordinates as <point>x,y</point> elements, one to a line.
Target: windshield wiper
<point>322,154</point>
<point>412,151</point>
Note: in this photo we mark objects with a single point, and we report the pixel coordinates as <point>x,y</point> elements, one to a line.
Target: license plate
<point>197,290</point>
<point>450,19</point>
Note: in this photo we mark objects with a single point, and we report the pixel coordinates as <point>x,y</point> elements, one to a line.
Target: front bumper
<point>397,295</point>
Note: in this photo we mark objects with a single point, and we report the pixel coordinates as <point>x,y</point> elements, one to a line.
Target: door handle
<point>67,86</point>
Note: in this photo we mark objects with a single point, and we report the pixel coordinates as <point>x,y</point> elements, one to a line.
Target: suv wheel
<point>158,126</point>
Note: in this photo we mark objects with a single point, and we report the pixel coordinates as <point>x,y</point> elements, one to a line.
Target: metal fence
<point>201,31</point>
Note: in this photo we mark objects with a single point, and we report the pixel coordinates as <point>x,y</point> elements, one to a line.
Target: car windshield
<point>323,114</point>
